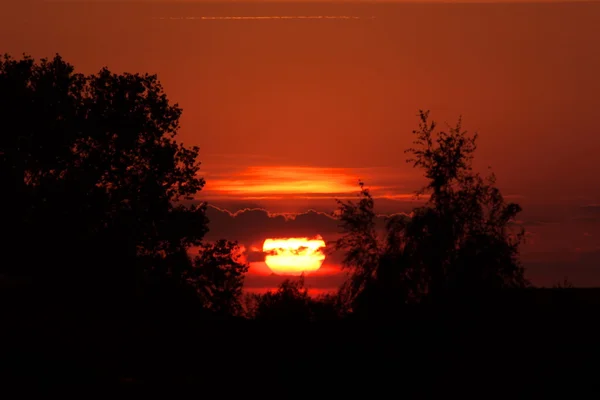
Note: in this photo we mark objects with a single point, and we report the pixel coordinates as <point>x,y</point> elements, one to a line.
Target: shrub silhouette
<point>289,302</point>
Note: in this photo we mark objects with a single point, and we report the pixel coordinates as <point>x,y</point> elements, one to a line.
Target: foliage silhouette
<point>466,221</point>
<point>565,284</point>
<point>218,276</point>
<point>291,302</point>
<point>95,173</point>
<point>457,246</point>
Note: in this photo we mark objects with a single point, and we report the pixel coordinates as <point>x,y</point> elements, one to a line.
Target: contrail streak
<point>269,17</point>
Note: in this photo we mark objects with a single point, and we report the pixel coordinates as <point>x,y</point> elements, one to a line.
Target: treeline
<point>93,178</point>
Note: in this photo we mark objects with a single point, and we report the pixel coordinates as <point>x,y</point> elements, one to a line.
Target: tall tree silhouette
<point>94,174</point>
<point>463,233</point>
<point>458,244</point>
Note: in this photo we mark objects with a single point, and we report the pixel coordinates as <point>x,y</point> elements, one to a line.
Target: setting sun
<point>293,256</point>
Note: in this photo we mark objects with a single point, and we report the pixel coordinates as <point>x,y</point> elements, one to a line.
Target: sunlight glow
<point>293,256</point>
<point>283,180</point>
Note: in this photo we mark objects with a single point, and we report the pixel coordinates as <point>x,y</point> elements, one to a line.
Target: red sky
<point>290,113</point>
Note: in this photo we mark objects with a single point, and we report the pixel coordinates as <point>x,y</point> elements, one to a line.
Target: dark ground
<point>537,347</point>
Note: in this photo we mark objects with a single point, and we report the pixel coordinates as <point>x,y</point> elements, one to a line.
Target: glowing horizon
<point>286,180</point>
<point>304,182</point>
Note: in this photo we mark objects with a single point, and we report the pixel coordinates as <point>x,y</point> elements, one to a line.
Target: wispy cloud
<point>278,182</point>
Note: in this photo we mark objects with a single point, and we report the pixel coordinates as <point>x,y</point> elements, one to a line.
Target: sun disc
<point>294,256</point>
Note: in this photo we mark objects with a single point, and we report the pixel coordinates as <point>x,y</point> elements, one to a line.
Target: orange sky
<point>344,94</point>
<point>291,113</point>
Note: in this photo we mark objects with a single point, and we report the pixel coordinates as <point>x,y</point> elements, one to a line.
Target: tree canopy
<point>92,173</point>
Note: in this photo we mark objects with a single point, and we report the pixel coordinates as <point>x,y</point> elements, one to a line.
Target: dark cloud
<point>589,213</point>
<point>299,205</point>
<point>252,226</point>
<point>591,208</point>
<point>255,256</point>
<point>299,251</point>
<point>302,250</point>
<point>586,219</point>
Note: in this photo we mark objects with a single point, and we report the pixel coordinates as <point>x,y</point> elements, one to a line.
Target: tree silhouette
<point>218,276</point>
<point>377,279</point>
<point>290,302</point>
<point>463,232</point>
<point>459,244</point>
<point>360,243</point>
<point>94,174</point>
<point>327,307</point>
